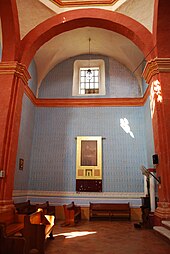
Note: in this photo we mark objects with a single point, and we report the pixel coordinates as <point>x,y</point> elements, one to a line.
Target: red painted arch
<point>10,29</point>
<point>162,32</point>
<point>70,20</point>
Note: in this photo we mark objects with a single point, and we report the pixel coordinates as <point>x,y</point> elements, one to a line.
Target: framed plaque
<point>89,157</point>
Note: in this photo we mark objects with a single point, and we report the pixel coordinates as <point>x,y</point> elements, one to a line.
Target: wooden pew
<point>47,208</point>
<point>37,227</point>
<point>13,222</point>
<point>72,214</point>
<point>109,211</point>
<point>11,244</point>
<point>25,207</point>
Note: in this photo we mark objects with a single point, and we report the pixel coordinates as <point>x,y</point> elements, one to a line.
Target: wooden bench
<point>13,222</point>
<point>109,211</point>
<point>72,214</point>
<point>37,227</point>
<point>25,207</point>
<point>47,208</point>
<point>11,244</point>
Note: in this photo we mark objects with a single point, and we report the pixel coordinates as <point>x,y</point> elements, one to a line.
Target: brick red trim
<point>60,3</point>
<point>156,66</point>
<point>83,102</point>
<point>10,29</point>
<point>91,17</point>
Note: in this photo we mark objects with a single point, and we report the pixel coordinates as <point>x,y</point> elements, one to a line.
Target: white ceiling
<point>75,42</point>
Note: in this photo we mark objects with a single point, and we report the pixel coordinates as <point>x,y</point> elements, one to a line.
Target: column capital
<point>15,68</point>
<point>154,67</point>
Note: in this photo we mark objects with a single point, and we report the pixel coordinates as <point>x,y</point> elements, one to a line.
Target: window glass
<point>88,80</point>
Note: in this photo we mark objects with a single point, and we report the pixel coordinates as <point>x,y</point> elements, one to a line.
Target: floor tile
<point>105,237</point>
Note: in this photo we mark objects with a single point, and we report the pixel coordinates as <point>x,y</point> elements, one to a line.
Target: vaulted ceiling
<point>75,42</point>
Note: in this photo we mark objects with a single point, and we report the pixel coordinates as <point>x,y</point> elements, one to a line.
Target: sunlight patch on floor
<point>75,234</point>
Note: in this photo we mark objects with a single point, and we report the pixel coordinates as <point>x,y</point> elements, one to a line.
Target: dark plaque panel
<point>88,153</point>
<point>89,185</point>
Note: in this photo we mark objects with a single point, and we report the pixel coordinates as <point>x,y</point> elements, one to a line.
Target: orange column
<point>13,77</point>
<point>157,75</point>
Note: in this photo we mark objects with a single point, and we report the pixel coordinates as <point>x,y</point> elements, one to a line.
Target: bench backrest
<point>47,208</point>
<point>25,207</point>
<point>22,204</point>
<point>70,206</point>
<point>36,218</point>
<point>108,206</point>
<point>44,206</point>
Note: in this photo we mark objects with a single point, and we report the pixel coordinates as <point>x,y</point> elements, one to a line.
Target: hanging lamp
<point>89,73</point>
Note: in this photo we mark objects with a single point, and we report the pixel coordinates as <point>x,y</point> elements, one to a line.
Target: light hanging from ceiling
<point>89,73</point>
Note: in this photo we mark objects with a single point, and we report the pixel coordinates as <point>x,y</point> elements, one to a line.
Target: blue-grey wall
<point>26,134</point>
<point>47,135</point>
<point>149,134</point>
<point>53,151</point>
<point>24,144</point>
<point>32,83</point>
<point>120,82</point>
<point>144,86</point>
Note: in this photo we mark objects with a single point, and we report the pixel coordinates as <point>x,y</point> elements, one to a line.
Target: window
<point>88,80</point>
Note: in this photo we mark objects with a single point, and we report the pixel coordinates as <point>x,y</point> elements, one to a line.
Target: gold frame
<point>93,169</point>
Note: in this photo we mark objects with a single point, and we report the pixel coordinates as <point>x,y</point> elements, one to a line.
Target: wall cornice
<point>92,102</point>
<point>83,102</point>
<point>154,67</point>
<point>15,68</point>
<point>66,3</point>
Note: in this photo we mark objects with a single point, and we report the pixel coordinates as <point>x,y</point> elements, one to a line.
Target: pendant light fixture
<point>89,73</point>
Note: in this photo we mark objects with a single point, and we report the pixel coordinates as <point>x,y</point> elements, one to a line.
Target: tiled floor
<point>105,237</point>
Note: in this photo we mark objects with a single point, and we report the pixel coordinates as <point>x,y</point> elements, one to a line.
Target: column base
<point>162,212</point>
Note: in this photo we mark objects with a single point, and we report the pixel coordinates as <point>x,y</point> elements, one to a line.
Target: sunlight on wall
<point>155,95</point>
<point>75,234</point>
<point>124,123</point>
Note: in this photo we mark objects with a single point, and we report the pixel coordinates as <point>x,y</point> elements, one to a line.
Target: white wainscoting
<point>59,198</point>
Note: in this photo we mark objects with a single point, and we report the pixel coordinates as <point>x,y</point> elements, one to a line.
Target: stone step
<point>166,223</point>
<point>163,231</point>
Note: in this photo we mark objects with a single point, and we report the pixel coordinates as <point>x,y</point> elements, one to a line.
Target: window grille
<point>89,80</point>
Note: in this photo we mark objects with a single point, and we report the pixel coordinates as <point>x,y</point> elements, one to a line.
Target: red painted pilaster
<point>13,77</point>
<point>157,75</point>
